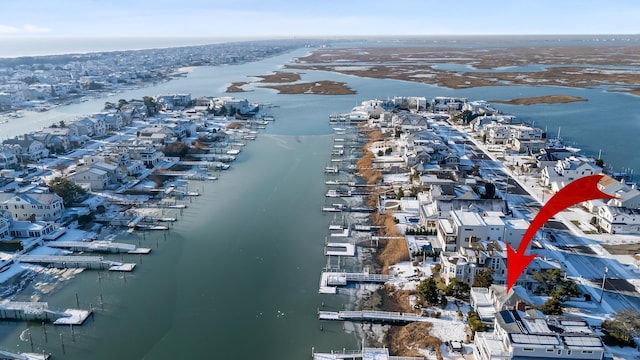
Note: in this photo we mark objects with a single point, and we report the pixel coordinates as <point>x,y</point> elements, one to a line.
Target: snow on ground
<point>623,353</point>
<point>449,330</point>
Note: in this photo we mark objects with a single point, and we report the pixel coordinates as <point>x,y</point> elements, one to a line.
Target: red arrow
<point>582,189</point>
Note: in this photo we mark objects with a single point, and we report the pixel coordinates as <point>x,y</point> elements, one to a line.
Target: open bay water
<point>237,276</point>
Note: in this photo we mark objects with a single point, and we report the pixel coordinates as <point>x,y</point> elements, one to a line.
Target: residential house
<point>84,126</point>
<point>464,227</point>
<point>619,220</point>
<point>497,134</point>
<point>5,224</point>
<point>446,104</point>
<point>92,177</point>
<point>532,335</point>
<point>8,158</point>
<point>568,170</point>
<point>31,229</point>
<point>28,206</point>
<point>156,134</point>
<point>56,140</point>
<point>108,121</point>
<point>550,157</point>
<point>147,154</point>
<point>27,149</point>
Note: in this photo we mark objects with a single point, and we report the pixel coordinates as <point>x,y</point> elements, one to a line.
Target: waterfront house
<point>532,335</point>
<point>108,121</point>
<point>45,206</point>
<point>27,149</point>
<point>465,227</point>
<point>145,153</point>
<point>567,170</point>
<point>98,175</point>
<point>619,220</point>
<point>84,126</point>
<point>156,134</point>
<point>31,229</point>
<point>56,140</point>
<point>496,134</point>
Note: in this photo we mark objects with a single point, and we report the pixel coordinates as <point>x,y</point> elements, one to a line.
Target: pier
<point>329,281</point>
<point>5,354</point>
<point>99,246</point>
<point>85,262</point>
<point>31,311</point>
<point>365,354</point>
<point>370,315</point>
<point>346,249</point>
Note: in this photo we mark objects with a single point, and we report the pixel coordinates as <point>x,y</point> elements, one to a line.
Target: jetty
<point>84,262</point>
<point>31,311</point>
<point>370,315</point>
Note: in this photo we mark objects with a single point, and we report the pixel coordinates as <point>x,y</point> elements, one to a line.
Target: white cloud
<point>8,29</point>
<point>33,29</point>
<point>26,29</point>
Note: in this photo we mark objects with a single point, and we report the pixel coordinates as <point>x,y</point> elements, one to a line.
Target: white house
<point>25,206</point>
<point>568,170</point>
<point>619,220</point>
<point>8,159</point>
<point>97,179</point>
<point>531,335</point>
<point>27,150</point>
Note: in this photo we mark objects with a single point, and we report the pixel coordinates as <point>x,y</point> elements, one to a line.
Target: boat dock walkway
<point>365,353</point>
<point>5,354</point>
<point>15,310</point>
<point>329,281</point>
<point>370,315</point>
<point>346,249</point>
<point>99,246</point>
<point>86,262</point>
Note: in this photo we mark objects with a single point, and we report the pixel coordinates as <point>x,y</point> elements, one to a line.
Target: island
<point>549,99</point>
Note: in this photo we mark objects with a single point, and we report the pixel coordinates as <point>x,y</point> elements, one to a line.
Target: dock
<point>5,354</point>
<point>85,262</point>
<point>29,311</point>
<point>370,315</point>
<point>346,249</point>
<point>99,246</point>
<point>329,281</point>
<point>365,354</point>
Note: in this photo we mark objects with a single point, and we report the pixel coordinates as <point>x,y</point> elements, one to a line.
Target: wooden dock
<point>6,354</point>
<point>31,311</point>
<point>370,315</point>
<point>84,262</point>
<point>329,281</point>
<point>99,246</point>
<point>365,354</point>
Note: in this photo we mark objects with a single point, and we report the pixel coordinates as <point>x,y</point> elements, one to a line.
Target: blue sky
<point>252,18</point>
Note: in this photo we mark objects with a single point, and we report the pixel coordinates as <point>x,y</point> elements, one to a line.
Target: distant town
<point>38,83</point>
